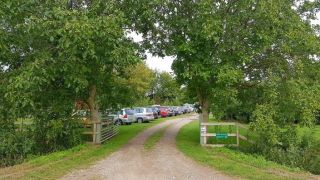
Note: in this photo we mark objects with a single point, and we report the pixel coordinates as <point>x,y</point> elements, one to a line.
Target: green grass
<point>55,165</point>
<point>231,161</point>
<point>314,132</point>
<point>154,138</point>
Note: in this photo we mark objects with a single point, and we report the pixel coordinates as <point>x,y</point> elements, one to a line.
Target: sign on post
<point>203,129</point>
<point>222,136</point>
<point>205,134</point>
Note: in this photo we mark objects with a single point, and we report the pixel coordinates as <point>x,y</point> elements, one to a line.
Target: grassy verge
<point>233,162</point>
<point>154,138</point>
<point>313,132</point>
<point>55,165</point>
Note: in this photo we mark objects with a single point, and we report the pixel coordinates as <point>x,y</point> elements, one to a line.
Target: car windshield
<point>149,110</point>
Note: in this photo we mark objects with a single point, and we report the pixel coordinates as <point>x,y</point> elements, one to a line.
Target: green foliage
<point>138,83</point>
<point>56,134</point>
<point>53,54</point>
<point>14,146</point>
<point>311,157</point>
<point>245,59</point>
<point>39,138</point>
<point>232,161</point>
<point>232,54</point>
<point>283,144</point>
<point>265,127</point>
<point>57,164</point>
<point>165,89</point>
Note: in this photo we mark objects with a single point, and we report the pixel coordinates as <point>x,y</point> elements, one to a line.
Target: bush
<point>281,143</point>
<point>40,138</point>
<point>57,134</point>
<point>311,157</point>
<point>14,147</point>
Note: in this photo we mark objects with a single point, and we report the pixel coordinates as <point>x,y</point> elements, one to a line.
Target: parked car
<point>170,111</point>
<point>184,109</point>
<point>122,116</point>
<point>156,112</point>
<point>189,107</point>
<point>163,111</point>
<point>177,110</point>
<point>142,114</point>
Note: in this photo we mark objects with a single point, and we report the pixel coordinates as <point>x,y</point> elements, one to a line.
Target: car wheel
<point>140,120</point>
<point>118,122</point>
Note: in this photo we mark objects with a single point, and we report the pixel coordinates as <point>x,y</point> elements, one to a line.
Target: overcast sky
<point>154,62</point>
<point>164,64</point>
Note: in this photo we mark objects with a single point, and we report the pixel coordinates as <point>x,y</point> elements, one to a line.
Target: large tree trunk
<point>94,114</point>
<point>204,115</point>
<point>94,111</point>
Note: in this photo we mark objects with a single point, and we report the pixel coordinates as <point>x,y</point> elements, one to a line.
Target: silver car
<point>142,114</point>
<point>122,116</point>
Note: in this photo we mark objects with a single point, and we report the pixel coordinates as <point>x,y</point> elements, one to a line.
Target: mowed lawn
<point>233,162</point>
<point>55,165</point>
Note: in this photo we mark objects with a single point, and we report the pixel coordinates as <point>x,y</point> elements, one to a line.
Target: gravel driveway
<point>163,162</point>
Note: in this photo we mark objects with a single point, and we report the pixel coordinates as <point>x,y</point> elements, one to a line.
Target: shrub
<point>57,134</point>
<point>311,157</point>
<point>281,143</point>
<point>14,147</point>
<point>42,137</point>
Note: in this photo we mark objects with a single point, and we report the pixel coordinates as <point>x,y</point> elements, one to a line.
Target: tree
<point>58,53</point>
<point>134,87</point>
<point>222,47</point>
<point>165,89</point>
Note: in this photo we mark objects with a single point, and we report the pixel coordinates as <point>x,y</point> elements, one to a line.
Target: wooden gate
<point>100,131</point>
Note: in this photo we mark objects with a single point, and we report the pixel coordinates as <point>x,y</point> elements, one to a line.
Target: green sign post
<point>222,135</point>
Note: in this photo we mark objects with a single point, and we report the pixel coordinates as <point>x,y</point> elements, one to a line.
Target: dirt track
<point>163,162</point>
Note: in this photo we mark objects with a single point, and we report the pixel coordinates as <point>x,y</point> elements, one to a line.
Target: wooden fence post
<point>202,130</point>
<point>98,132</point>
<point>94,132</point>
<point>238,142</point>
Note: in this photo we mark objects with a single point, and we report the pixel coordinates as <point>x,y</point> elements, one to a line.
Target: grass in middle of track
<point>154,138</point>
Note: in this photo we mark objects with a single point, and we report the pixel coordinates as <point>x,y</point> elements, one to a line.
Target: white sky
<point>154,62</point>
<point>158,63</point>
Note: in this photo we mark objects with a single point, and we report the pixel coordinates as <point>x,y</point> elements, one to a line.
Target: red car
<point>163,112</point>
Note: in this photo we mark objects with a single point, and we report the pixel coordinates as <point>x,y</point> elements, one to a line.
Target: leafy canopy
<point>54,53</point>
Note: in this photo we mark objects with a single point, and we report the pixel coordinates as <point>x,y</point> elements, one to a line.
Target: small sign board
<point>222,136</point>
<point>203,130</point>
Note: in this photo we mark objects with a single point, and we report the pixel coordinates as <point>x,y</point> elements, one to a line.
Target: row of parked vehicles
<point>146,114</point>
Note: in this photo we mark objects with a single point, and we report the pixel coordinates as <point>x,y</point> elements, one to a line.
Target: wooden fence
<point>204,134</point>
<point>100,131</point>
